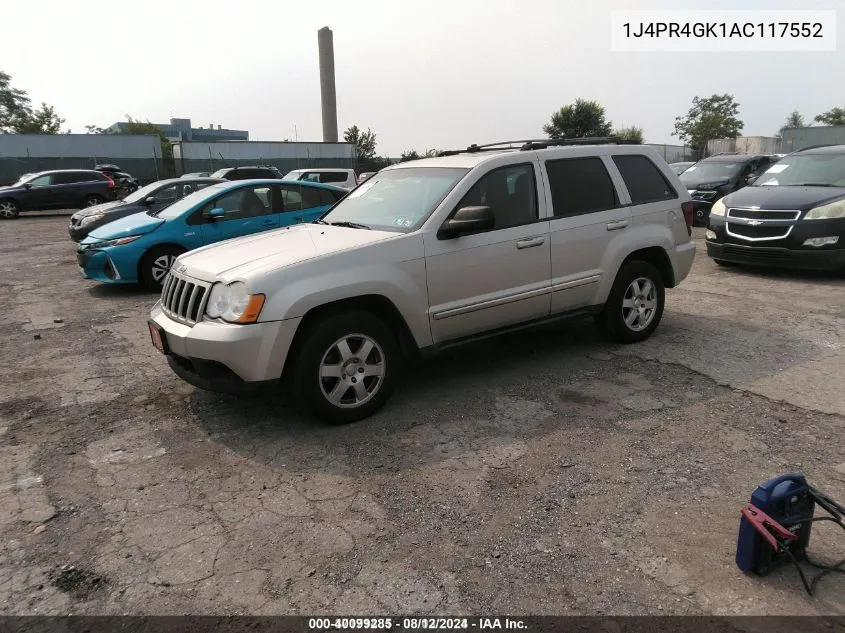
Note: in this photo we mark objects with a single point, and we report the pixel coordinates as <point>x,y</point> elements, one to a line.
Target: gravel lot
<point>542,473</point>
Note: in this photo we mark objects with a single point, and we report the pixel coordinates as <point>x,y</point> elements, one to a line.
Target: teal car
<point>140,248</point>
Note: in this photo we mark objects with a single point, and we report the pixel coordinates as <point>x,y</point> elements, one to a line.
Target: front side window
<point>166,195</point>
<point>510,192</point>
<point>245,202</point>
<point>396,199</point>
<point>42,181</point>
<point>579,186</point>
<point>643,179</point>
<point>331,176</point>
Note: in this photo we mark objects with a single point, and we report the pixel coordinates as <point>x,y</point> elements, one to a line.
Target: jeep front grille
<point>183,299</point>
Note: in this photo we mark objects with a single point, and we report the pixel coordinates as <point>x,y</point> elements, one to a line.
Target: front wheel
<point>346,367</point>
<point>9,209</point>
<point>635,304</point>
<point>155,264</point>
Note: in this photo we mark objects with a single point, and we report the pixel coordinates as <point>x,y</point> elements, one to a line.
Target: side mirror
<point>27,185</point>
<point>150,200</point>
<point>751,179</point>
<point>467,220</point>
<point>216,213</point>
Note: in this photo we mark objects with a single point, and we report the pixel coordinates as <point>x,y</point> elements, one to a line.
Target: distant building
<point>181,130</point>
<point>744,145</point>
<point>795,138</point>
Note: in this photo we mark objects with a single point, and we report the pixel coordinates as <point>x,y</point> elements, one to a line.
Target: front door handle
<point>615,226</point>
<point>530,242</point>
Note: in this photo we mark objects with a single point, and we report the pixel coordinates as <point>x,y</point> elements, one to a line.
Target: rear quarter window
<point>645,182</point>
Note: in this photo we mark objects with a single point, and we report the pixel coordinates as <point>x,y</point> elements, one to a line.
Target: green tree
<point>364,142</point>
<point>836,116</point>
<point>17,115</point>
<point>95,129</point>
<point>793,120</point>
<point>632,133</point>
<point>44,120</point>
<point>410,154</point>
<point>708,118</point>
<point>583,118</point>
<point>133,126</point>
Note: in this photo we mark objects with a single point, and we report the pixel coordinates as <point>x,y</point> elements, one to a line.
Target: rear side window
<point>311,197</point>
<point>332,176</point>
<point>327,197</point>
<point>579,186</point>
<point>644,180</point>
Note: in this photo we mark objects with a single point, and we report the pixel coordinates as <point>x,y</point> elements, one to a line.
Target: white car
<point>424,255</point>
<point>334,176</point>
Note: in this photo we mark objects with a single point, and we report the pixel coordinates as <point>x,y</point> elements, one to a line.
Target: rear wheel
<point>9,209</point>
<point>346,367</point>
<point>155,265</point>
<point>92,201</point>
<point>635,304</point>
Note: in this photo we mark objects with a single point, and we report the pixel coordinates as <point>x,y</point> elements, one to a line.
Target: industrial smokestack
<point>328,97</point>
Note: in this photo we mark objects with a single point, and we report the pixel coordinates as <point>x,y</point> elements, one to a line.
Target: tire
<point>333,399</point>
<point>617,321</point>
<point>9,209</point>
<point>154,266</point>
<point>92,201</point>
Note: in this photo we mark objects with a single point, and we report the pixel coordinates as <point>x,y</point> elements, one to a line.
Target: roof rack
<point>530,144</point>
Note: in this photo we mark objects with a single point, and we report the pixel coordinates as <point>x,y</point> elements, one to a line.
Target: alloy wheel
<point>352,371</point>
<point>7,209</point>
<point>161,266</point>
<point>639,304</point>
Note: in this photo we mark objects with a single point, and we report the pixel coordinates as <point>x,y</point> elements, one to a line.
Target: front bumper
<point>100,266</point>
<point>787,252</point>
<point>224,357</point>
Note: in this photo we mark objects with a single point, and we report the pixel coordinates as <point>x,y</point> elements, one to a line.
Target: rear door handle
<point>615,226</point>
<point>530,242</point>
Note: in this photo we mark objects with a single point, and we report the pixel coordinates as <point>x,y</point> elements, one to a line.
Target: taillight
<point>688,209</point>
<point>111,183</point>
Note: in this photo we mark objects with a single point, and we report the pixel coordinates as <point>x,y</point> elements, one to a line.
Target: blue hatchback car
<point>142,247</point>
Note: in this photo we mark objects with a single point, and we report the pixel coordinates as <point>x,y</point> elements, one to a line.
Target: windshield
<point>142,193</point>
<point>716,170</point>
<point>22,179</point>
<point>396,199</point>
<point>190,201</point>
<point>822,170</point>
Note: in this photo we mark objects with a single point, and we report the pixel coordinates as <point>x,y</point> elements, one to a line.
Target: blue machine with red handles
<point>785,506</point>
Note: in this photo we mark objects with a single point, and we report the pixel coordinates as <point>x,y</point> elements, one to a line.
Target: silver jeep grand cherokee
<point>424,255</point>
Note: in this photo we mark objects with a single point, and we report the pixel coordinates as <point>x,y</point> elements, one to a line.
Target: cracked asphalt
<point>547,472</point>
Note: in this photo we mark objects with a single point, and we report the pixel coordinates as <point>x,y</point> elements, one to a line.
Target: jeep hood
<point>244,257</point>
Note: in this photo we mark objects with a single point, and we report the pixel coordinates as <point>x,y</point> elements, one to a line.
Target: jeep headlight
<point>832,211</point>
<point>233,303</point>
<point>718,208</point>
<point>88,219</point>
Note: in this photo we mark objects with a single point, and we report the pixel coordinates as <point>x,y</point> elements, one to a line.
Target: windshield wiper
<point>350,225</point>
<point>814,184</point>
<point>319,221</point>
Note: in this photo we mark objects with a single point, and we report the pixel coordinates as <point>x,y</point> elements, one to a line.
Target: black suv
<point>712,178</point>
<point>792,216</point>
<point>60,189</point>
<point>247,173</point>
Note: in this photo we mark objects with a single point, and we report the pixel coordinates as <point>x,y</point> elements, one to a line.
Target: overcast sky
<point>421,74</point>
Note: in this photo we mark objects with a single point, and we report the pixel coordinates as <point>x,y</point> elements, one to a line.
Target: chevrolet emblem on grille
<point>754,222</point>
